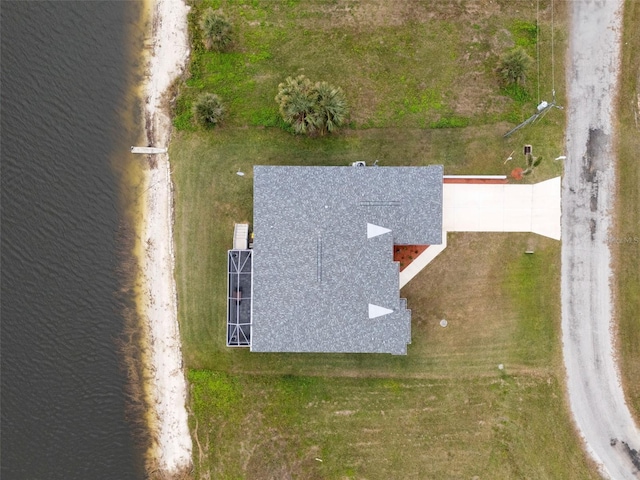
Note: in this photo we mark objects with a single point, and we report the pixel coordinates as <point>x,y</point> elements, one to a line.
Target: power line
<point>543,107</point>
<point>553,59</point>
<point>538,45</point>
<point>541,111</point>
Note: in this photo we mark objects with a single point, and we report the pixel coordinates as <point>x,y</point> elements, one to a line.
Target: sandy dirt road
<point>595,393</point>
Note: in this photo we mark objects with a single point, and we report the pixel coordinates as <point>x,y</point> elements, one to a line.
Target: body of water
<point>66,74</point>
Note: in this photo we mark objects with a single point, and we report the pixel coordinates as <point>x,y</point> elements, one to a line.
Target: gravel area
<point>594,387</point>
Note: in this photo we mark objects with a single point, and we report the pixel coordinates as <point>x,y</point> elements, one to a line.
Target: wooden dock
<point>148,150</point>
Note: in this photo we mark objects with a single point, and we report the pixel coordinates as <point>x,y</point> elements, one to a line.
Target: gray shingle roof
<point>315,271</point>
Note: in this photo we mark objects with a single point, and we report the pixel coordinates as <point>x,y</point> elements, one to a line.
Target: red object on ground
<point>516,173</point>
<point>405,254</point>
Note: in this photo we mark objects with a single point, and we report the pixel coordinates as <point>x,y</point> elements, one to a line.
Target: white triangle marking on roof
<point>376,311</point>
<point>375,230</point>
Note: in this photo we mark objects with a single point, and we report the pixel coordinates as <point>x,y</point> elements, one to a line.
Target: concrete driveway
<point>482,207</point>
<point>503,208</point>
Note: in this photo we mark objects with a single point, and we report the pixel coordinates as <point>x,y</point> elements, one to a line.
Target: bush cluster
<point>208,110</point>
<point>514,66</point>
<point>216,30</point>
<point>311,108</point>
<point>308,108</point>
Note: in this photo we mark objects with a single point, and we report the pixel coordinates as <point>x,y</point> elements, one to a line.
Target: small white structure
<point>148,150</point>
<point>241,236</point>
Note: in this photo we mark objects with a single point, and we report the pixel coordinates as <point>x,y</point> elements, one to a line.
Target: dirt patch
<point>517,173</point>
<point>595,154</point>
<point>380,13</point>
<point>476,94</point>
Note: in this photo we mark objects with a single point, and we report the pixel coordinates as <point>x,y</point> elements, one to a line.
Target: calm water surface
<point>64,72</point>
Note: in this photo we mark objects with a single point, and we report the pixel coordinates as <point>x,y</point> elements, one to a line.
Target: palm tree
<point>296,104</point>
<point>331,107</point>
<point>208,110</point>
<point>311,108</point>
<point>216,30</point>
<point>514,65</point>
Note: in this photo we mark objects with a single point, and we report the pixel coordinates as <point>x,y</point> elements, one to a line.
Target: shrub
<point>208,110</point>
<point>311,108</point>
<point>331,107</point>
<point>514,65</point>
<point>216,30</point>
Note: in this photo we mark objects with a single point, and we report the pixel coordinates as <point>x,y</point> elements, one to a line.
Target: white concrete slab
<point>503,208</point>
<point>469,207</point>
<point>422,261</point>
<point>546,212</point>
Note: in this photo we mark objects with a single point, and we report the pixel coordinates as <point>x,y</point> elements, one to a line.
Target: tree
<point>208,110</point>
<point>514,65</point>
<point>216,30</point>
<point>311,108</point>
<point>331,107</point>
<point>296,104</point>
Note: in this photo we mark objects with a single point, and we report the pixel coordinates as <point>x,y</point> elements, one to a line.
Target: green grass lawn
<point>445,410</point>
<point>501,427</point>
<point>626,236</point>
<point>210,197</point>
<point>401,64</point>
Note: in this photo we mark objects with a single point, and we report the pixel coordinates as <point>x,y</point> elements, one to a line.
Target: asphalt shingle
<point>315,271</point>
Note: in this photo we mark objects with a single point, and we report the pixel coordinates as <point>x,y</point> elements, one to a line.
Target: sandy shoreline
<point>167,386</point>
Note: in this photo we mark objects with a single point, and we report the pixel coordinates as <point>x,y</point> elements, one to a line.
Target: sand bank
<point>167,387</point>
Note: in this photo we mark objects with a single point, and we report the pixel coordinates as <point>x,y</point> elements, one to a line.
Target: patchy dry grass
<point>500,427</point>
<point>421,83</point>
<point>626,237</point>
<point>210,197</point>
<point>502,305</point>
<point>448,410</point>
<point>401,64</point>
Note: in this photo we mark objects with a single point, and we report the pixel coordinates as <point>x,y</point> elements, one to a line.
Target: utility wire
<point>553,59</point>
<point>538,45</point>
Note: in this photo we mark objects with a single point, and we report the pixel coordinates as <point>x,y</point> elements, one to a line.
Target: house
<point>323,275</point>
